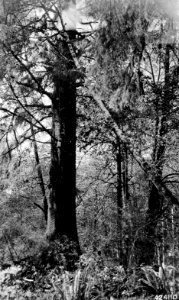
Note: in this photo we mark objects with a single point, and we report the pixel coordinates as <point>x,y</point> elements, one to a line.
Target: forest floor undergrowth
<point>55,275</point>
<point>88,283</point>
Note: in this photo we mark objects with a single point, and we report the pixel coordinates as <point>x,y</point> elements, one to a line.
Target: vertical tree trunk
<point>119,197</point>
<point>39,172</point>
<point>62,205</point>
<point>125,174</point>
<point>155,201</point>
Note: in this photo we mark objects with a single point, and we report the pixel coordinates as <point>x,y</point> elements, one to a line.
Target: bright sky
<point>74,14</point>
<point>170,7</point>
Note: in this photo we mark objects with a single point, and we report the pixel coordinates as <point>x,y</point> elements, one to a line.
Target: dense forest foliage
<point>89,147</point>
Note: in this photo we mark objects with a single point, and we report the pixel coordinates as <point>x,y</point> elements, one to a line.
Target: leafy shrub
<point>161,282</point>
<point>98,280</point>
<point>152,282</point>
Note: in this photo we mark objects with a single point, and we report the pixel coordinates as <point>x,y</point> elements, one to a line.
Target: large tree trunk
<point>62,206</point>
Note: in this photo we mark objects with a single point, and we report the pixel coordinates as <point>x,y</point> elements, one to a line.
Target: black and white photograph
<point>89,149</point>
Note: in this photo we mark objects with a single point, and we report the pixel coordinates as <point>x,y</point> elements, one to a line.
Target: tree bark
<point>61,202</point>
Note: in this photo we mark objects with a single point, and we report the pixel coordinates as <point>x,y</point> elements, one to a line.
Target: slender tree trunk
<point>155,201</point>
<point>61,204</point>
<point>125,174</point>
<point>39,172</point>
<point>119,197</point>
